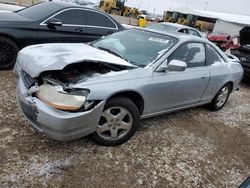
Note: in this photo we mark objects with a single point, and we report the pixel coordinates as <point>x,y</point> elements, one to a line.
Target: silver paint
<point>162,92</point>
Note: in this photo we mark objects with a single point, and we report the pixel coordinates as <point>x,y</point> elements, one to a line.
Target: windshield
<point>162,27</point>
<point>39,11</point>
<point>136,46</point>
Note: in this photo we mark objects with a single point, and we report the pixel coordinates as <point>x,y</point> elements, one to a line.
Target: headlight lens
<point>62,101</point>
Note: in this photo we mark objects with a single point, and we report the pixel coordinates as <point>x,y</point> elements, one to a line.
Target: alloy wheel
<point>115,123</point>
<point>222,97</point>
<point>7,53</point>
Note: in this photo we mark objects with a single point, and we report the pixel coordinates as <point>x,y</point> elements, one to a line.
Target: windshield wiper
<point>118,55</point>
<point>112,52</point>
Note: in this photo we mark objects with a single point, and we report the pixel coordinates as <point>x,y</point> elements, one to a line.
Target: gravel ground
<point>191,148</point>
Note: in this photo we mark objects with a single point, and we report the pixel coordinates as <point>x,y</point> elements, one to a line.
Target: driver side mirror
<point>54,22</point>
<point>173,65</point>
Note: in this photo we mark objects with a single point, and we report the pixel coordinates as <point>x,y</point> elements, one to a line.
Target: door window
<point>191,53</point>
<point>194,33</point>
<point>72,17</point>
<point>213,57</point>
<point>97,19</point>
<point>183,31</point>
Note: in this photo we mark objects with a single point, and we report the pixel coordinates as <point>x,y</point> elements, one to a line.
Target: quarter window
<point>183,31</point>
<point>97,19</point>
<point>213,57</point>
<point>191,53</point>
<point>194,33</point>
<point>73,17</point>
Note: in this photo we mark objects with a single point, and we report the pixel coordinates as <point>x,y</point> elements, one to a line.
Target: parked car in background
<point>166,26</point>
<point>78,2</point>
<point>50,22</point>
<point>224,41</point>
<point>243,53</point>
<point>245,184</point>
<point>104,89</point>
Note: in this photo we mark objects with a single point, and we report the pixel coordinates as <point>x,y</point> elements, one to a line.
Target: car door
<point>98,24</point>
<point>72,27</point>
<point>180,89</point>
<point>219,69</point>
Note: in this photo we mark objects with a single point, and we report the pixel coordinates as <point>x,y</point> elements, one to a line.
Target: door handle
<point>204,77</point>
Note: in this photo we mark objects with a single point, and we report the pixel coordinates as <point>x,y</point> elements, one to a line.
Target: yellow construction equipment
<point>117,7</point>
<point>167,16</point>
<point>199,22</point>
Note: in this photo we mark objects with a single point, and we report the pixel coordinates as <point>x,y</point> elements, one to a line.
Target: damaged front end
<point>56,88</point>
<point>47,91</point>
<point>53,104</point>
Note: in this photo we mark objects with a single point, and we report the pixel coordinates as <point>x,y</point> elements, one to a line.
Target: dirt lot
<point>192,148</point>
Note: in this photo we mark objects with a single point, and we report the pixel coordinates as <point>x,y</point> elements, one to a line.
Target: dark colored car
<point>50,22</point>
<point>246,183</point>
<point>243,53</point>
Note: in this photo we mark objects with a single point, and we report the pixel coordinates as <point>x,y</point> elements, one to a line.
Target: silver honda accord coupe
<point>103,89</point>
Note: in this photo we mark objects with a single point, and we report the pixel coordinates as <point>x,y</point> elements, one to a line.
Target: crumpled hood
<point>39,58</point>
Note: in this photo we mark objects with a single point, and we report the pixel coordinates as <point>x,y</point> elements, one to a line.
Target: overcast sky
<point>158,6</point>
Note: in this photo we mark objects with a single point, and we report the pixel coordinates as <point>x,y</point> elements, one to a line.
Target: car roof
<point>178,26</point>
<point>178,35</point>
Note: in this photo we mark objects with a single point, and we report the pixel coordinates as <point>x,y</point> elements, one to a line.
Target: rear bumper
<point>57,124</point>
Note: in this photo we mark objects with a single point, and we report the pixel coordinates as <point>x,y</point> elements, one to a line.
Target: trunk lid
<point>7,16</point>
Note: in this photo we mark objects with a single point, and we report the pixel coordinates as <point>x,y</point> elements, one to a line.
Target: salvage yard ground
<point>191,148</point>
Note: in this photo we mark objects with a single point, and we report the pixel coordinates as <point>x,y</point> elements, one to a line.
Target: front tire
<point>118,123</point>
<point>8,53</point>
<point>221,98</point>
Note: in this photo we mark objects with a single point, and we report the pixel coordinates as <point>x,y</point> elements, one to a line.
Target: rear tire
<point>8,53</point>
<point>221,98</point>
<point>118,123</point>
<point>132,15</point>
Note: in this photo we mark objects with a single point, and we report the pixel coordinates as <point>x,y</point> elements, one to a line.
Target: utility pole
<point>207,3</point>
<point>148,5</point>
<point>187,4</point>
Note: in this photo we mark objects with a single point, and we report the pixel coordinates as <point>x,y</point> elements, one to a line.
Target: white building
<point>226,22</point>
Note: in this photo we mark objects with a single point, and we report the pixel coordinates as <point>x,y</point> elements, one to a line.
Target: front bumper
<point>57,124</point>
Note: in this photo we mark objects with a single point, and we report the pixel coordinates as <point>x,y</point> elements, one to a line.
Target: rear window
<point>39,11</point>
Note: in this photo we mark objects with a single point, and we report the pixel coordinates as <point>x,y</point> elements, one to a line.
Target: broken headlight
<point>60,100</point>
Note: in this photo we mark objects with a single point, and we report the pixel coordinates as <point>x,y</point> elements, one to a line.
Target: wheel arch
<point>134,96</point>
<point>12,38</point>
<point>231,85</point>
